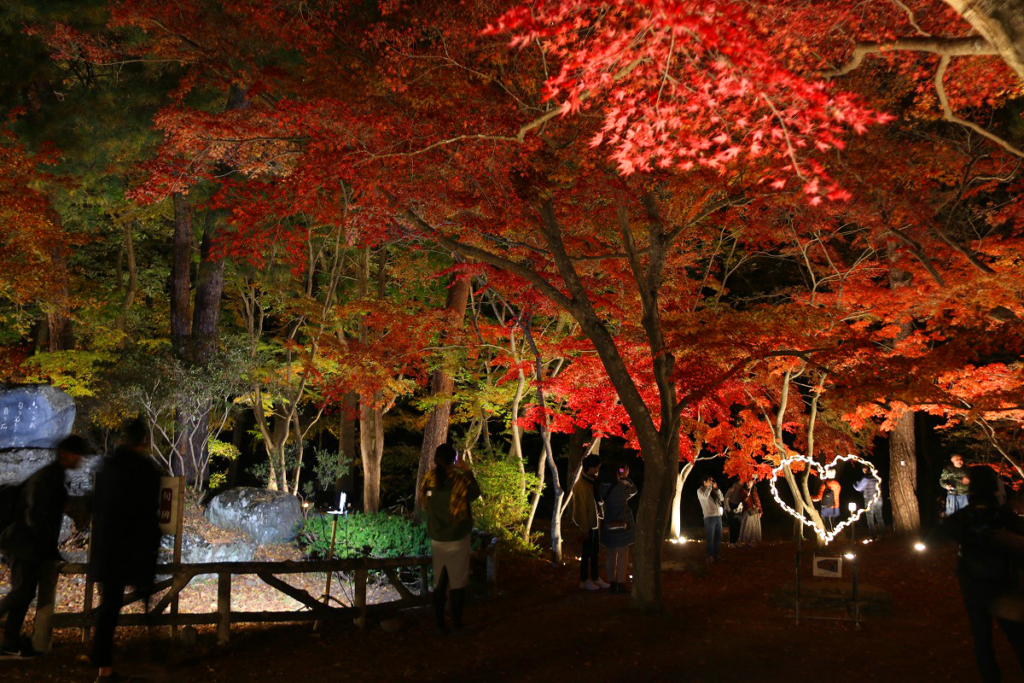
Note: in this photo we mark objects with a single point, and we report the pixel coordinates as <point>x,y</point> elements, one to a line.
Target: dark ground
<point>721,627</point>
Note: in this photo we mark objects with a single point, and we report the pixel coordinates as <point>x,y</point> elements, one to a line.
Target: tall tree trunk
<point>181,275</point>
<point>903,476</point>
<point>371,447</point>
<point>347,440</point>
<point>442,380</point>
<point>903,439</point>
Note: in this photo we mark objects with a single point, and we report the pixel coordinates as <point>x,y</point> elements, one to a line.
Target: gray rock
<point>18,465</point>
<point>264,516</point>
<point>197,550</point>
<point>35,416</point>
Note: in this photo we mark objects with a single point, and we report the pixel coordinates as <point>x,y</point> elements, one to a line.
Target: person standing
<point>125,536</point>
<point>586,517</point>
<point>991,539</point>
<point>448,492</point>
<point>29,543</point>
<point>734,510</point>
<point>828,494</point>
<point>750,529</point>
<point>955,480</point>
<point>617,527</point>
<point>868,485</point>
<point>711,501</point>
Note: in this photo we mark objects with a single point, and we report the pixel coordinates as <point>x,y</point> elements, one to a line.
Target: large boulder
<point>18,465</point>
<point>35,416</point>
<point>262,515</point>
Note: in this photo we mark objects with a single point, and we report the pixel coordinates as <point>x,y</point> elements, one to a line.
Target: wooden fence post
<point>360,596</point>
<point>223,607</point>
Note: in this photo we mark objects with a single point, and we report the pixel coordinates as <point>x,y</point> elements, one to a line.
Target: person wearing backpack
<point>125,537</point>
<point>828,494</point>
<point>29,541</point>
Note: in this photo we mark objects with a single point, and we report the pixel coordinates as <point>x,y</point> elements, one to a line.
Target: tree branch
<point>948,114</point>
<point>950,47</point>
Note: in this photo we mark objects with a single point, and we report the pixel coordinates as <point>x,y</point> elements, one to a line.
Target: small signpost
<point>172,516</point>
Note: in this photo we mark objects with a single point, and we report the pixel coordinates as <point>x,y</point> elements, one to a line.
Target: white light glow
<point>920,547</point>
<point>825,535</point>
<point>849,556</point>
<point>866,541</point>
<point>852,507</point>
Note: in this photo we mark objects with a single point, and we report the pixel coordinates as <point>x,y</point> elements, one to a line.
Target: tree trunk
<point>903,476</point>
<point>676,531</point>
<point>1000,22</point>
<point>181,267</point>
<point>132,287</point>
<point>347,440</point>
<point>903,439</point>
<point>371,447</point>
<point>442,380</point>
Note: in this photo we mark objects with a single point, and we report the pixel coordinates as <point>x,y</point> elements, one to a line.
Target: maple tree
<point>704,230</point>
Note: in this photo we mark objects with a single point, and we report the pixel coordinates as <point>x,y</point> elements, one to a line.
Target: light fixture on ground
<point>920,547</point>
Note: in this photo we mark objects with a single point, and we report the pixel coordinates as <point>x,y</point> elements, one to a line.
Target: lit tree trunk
<point>371,447</point>
<point>676,530</point>
<point>442,380</point>
<point>903,439</point>
<point>1001,22</point>
<point>903,476</point>
<point>347,439</point>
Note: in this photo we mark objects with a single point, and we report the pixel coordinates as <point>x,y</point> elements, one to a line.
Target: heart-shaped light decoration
<point>826,536</point>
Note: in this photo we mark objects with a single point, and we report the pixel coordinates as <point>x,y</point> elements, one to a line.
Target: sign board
<point>828,566</point>
<point>170,504</point>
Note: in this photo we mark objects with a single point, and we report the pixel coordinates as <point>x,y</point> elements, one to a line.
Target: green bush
<point>375,535</point>
<point>504,507</point>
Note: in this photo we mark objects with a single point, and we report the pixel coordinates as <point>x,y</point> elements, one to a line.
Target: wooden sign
<point>171,493</point>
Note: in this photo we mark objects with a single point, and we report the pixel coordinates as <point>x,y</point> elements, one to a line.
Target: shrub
<point>375,535</point>
<point>504,507</point>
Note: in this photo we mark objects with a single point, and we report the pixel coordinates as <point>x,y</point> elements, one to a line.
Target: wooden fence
<point>484,566</point>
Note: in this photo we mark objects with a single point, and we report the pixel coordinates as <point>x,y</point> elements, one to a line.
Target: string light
<point>826,536</point>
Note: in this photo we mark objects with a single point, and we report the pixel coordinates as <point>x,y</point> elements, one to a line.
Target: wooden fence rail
<point>485,565</point>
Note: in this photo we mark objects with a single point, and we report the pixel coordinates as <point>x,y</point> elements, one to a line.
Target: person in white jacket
<point>711,501</point>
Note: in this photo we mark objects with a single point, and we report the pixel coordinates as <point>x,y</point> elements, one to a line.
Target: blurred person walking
<point>29,542</point>
<point>125,537</point>
<point>989,569</point>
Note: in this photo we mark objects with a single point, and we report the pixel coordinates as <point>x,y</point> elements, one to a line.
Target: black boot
<point>458,604</point>
<point>440,598</point>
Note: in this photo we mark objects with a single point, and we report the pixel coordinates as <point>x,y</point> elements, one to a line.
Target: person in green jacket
<point>955,480</point>
<point>447,493</point>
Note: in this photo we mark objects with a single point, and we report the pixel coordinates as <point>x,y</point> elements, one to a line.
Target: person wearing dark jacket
<point>125,536</point>
<point>991,538</point>
<point>30,543</point>
<point>617,528</point>
<point>733,512</point>
<point>447,493</point>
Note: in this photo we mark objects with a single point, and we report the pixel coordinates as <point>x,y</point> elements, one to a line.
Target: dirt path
<point>718,628</point>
